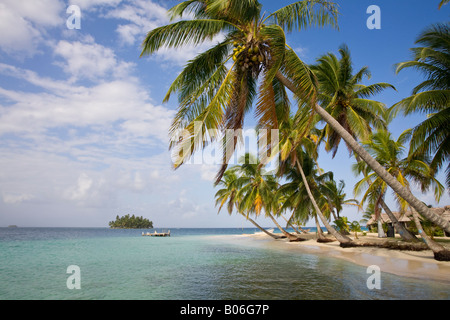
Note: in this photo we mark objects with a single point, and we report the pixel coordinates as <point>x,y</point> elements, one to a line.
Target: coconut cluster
<point>247,56</point>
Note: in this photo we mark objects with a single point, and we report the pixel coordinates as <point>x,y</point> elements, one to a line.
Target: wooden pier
<point>157,234</point>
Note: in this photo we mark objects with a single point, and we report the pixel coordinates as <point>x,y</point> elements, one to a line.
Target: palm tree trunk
<point>381,233</point>
<point>320,234</point>
<point>292,226</point>
<point>401,229</point>
<point>440,253</point>
<point>371,162</point>
<point>287,234</point>
<point>341,238</point>
<point>260,228</point>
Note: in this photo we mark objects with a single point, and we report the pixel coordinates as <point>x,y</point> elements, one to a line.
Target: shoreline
<point>412,264</point>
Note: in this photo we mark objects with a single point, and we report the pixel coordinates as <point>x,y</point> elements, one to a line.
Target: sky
<point>83,126</point>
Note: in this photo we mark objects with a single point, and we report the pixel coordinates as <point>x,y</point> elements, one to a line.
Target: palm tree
<point>298,149</point>
<point>214,98</point>
<point>346,99</point>
<point>405,193</point>
<point>228,196</point>
<point>258,191</point>
<point>299,178</point>
<point>389,153</point>
<point>432,96</point>
<point>355,227</point>
<point>337,197</point>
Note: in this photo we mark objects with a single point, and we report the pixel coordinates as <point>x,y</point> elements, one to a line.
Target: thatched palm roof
<point>444,212</point>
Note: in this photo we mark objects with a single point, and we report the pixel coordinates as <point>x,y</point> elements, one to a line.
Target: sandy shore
<point>415,264</point>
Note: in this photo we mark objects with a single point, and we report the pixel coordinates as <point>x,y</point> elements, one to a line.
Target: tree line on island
<point>253,68</point>
<point>131,222</point>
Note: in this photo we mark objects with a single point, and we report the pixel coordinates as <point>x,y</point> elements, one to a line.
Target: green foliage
<point>131,222</point>
<point>342,224</point>
<point>355,227</point>
<point>430,229</point>
<point>432,96</point>
<point>347,99</point>
<point>215,96</point>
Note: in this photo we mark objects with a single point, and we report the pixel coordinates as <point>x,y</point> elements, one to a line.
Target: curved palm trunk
<point>260,228</point>
<point>334,214</point>
<point>287,234</point>
<point>404,233</point>
<point>287,221</point>
<point>339,237</point>
<point>320,234</point>
<point>401,229</point>
<point>440,253</point>
<point>371,162</point>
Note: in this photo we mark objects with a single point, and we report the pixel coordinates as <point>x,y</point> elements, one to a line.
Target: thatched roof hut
<point>406,217</point>
<point>401,217</point>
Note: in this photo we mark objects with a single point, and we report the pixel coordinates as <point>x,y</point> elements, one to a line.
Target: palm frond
<point>237,11</point>
<point>190,7</point>
<point>304,14</point>
<point>428,101</point>
<point>373,89</point>
<point>186,32</point>
<point>198,71</point>
<point>275,38</point>
<point>208,120</point>
<point>301,75</point>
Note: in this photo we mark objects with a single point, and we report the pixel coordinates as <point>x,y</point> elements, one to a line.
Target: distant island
<point>131,222</point>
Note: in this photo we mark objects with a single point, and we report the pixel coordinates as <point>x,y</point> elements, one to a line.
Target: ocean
<point>191,264</point>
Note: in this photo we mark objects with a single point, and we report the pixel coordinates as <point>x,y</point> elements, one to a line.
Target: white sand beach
<point>415,264</point>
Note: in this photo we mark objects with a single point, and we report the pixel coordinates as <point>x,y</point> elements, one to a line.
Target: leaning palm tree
<point>228,196</point>
<point>216,89</point>
<point>432,96</point>
<point>389,152</point>
<point>348,101</point>
<point>303,191</point>
<point>258,190</point>
<point>403,192</point>
<point>296,150</point>
<point>214,98</point>
<point>345,98</point>
<point>336,197</point>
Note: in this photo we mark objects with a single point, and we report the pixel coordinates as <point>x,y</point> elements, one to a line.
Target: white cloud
<point>121,105</point>
<point>180,56</point>
<point>79,143</point>
<point>139,17</point>
<point>209,172</point>
<point>81,189</point>
<point>90,60</point>
<point>94,4</point>
<point>21,38</point>
<point>302,52</point>
<point>23,24</point>
<point>10,198</point>
<point>40,12</point>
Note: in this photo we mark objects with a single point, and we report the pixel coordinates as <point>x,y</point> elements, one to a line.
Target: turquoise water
<point>192,264</point>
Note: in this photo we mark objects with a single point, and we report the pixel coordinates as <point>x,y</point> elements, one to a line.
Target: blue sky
<point>82,124</point>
